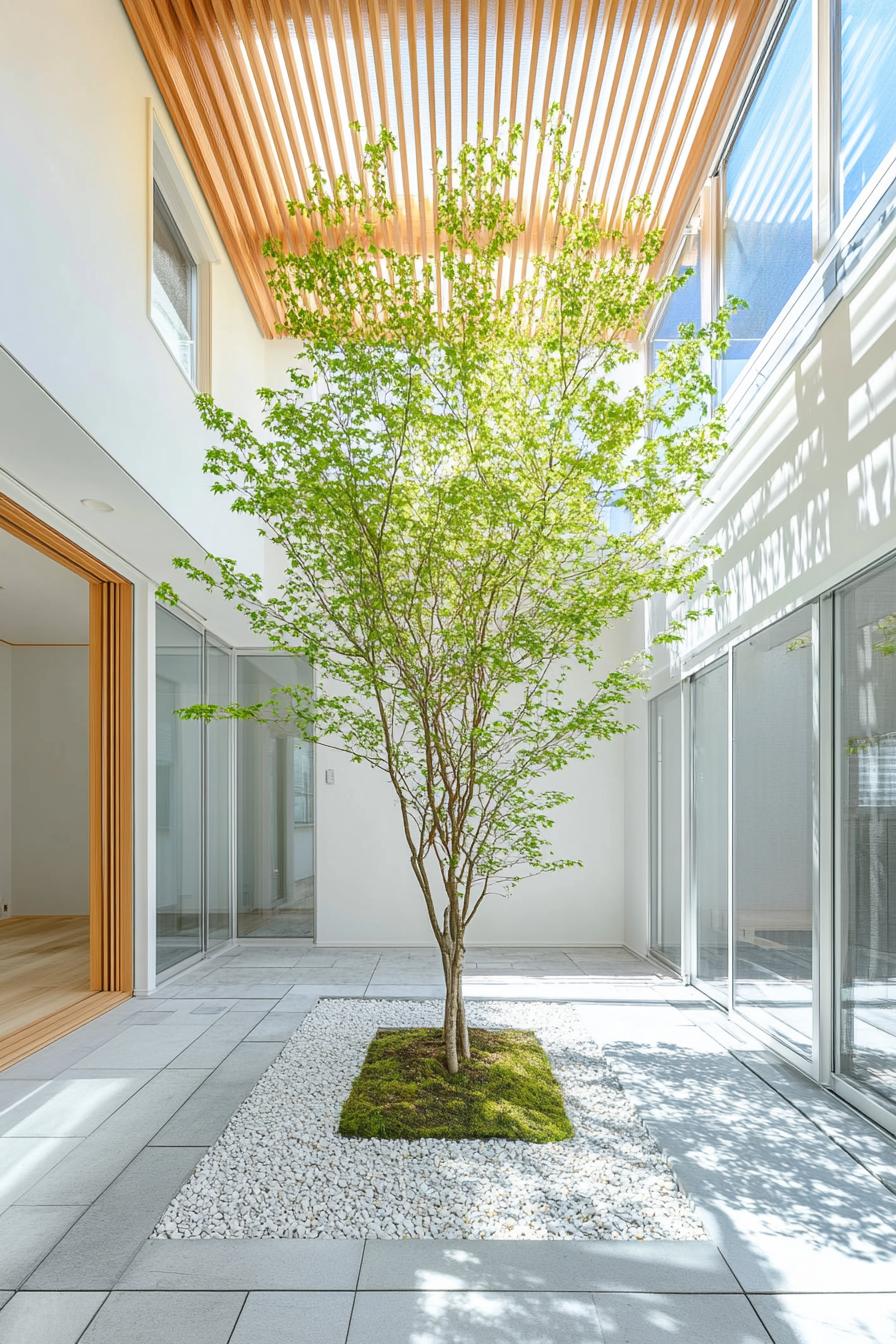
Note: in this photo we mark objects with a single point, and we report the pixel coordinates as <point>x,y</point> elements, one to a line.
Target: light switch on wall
<point>329,776</point>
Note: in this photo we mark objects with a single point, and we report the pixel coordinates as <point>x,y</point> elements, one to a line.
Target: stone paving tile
<point>546,1266</point>
<point>829,1318</point>
<point>85,1173</point>
<point>213,1046</point>
<point>656,1318</point>
<point>474,1318</point>
<point>72,1106</point>
<point>145,1047</point>
<point>27,1235</point>
<point>204,1116</point>
<point>23,1161</point>
<point>48,1318</point>
<point>165,1318</point>
<point>790,1211</point>
<point>97,1249</point>
<point>277,1027</point>
<point>294,1318</point>
<point>244,1263</point>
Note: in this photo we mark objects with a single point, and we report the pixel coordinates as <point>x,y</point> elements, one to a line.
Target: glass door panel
<point>178,792</point>
<point>218,738</point>
<point>709,828</point>
<point>275,808</point>
<point>775,777</point>
<point>665,826</point>
<point>865,621</point>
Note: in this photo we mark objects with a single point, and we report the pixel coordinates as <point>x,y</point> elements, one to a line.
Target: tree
<point>464,499</point>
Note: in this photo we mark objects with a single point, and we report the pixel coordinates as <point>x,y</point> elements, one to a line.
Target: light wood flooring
<point>44,967</point>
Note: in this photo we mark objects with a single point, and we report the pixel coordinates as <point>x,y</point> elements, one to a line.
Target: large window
<point>665,825</point>
<point>767,178</point>
<point>774,781</point>
<point>867,101</point>
<point>175,284</point>
<point>275,808</point>
<point>709,827</point>
<point>866,765</point>
<point>683,306</point>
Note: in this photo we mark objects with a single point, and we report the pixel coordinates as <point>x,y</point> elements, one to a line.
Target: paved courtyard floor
<point>99,1130</point>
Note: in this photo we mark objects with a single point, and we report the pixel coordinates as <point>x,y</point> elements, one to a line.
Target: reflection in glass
<point>665,824</point>
<point>275,809</point>
<point>684,305</point>
<point>868,107</point>
<point>218,736</point>
<point>775,769</point>
<point>767,227</point>
<point>866,631</point>
<point>178,792</point>
<point>709,835</point>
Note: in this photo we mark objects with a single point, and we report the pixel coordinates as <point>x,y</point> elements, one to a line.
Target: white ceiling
<point>41,602</point>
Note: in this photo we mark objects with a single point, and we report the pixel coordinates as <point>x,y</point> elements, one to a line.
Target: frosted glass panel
<point>775,770</point>
<point>178,792</point>
<point>275,809</point>
<point>767,230</point>
<point>173,286</point>
<point>710,827</point>
<point>866,630</point>
<point>665,820</point>
<point>868,105</point>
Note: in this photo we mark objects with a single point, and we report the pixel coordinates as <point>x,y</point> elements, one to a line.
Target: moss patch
<point>506,1091</point>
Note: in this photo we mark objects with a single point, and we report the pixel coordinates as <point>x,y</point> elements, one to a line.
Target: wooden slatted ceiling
<point>260,89</point>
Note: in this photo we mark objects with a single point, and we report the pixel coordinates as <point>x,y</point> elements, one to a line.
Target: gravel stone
<point>280,1169</point>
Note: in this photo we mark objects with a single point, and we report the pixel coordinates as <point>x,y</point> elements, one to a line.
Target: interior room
<point>44,769</point>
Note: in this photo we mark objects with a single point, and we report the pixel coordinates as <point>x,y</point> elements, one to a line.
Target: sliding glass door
<point>275,807</point>
<point>218,798</point>
<point>178,792</point>
<point>775,780</point>
<point>865,766</point>
<point>709,828</point>
<point>665,826</point>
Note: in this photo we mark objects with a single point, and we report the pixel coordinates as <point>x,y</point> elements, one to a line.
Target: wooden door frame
<point>110,731</point>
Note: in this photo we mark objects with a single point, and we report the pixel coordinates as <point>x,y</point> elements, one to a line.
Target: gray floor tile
<point>71,1106</point>
<point>101,1244</point>
<point>204,1116</point>
<point>790,1211</point>
<point>829,1318</point>
<point>474,1318</point>
<point>27,1236</point>
<point>48,1318</point>
<point>294,1318</point>
<point>145,1047</point>
<point>654,1318</point>
<point>546,1266</point>
<point>86,1172</point>
<point>243,1263</point>
<point>277,1027</point>
<point>165,1318</point>
<point>214,1045</point>
<point>24,1161</point>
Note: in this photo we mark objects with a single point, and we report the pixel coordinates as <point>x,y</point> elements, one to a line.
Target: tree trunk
<point>457,1037</point>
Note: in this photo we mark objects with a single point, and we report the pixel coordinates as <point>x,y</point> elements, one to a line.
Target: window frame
<point>843,242</point>
<point>167,174</point>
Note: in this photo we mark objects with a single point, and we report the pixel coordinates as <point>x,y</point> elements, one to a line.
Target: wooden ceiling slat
<point>261,89</point>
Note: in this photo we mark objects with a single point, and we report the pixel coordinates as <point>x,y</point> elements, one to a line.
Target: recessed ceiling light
<point>97,505</point>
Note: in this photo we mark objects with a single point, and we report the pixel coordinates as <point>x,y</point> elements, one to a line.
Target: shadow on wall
<point>809,487</point>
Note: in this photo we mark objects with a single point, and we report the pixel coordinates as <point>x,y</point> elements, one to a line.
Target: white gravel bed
<point>280,1169</point>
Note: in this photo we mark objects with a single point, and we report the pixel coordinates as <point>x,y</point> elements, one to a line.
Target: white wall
<point>366,892</point>
<point>805,497</point>
<point>73,236</point>
<point>49,772</point>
